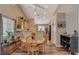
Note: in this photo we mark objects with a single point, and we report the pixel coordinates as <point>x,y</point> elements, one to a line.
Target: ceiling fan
<point>38,5</point>
<point>35,8</point>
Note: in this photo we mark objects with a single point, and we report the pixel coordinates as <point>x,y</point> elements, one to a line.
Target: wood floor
<point>49,49</point>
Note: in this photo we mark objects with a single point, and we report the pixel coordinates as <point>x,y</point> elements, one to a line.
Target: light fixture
<point>46,6</point>
<point>35,13</point>
<point>13,4</point>
<point>44,17</point>
<point>44,13</point>
<point>33,6</point>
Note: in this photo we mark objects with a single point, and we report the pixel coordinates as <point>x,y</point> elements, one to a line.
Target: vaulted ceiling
<point>39,12</point>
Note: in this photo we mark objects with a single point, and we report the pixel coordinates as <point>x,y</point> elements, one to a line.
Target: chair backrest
<point>39,35</point>
<point>27,33</point>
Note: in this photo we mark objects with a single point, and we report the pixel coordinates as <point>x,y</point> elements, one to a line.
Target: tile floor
<point>50,49</point>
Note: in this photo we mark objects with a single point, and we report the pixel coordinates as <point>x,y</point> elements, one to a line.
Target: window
<point>8,25</point>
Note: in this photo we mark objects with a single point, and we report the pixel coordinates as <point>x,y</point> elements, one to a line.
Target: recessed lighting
<point>44,17</point>
<point>13,4</point>
<point>44,13</point>
<point>33,6</point>
<point>35,13</point>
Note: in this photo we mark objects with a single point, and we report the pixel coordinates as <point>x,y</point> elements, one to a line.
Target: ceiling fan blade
<point>37,5</point>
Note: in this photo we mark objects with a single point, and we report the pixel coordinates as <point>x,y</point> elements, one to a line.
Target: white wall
<point>71,20</point>
<point>71,17</point>
<point>40,20</point>
<point>12,11</point>
<point>55,30</point>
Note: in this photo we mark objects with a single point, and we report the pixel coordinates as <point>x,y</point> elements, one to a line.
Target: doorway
<point>49,32</point>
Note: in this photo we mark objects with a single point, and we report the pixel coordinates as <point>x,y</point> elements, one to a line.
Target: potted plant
<point>10,37</point>
<point>18,26</point>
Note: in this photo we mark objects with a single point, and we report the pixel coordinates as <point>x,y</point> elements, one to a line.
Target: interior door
<point>49,32</point>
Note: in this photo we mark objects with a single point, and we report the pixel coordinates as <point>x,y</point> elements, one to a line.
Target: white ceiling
<point>39,12</point>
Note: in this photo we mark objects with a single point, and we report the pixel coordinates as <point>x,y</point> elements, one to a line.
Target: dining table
<point>32,45</point>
